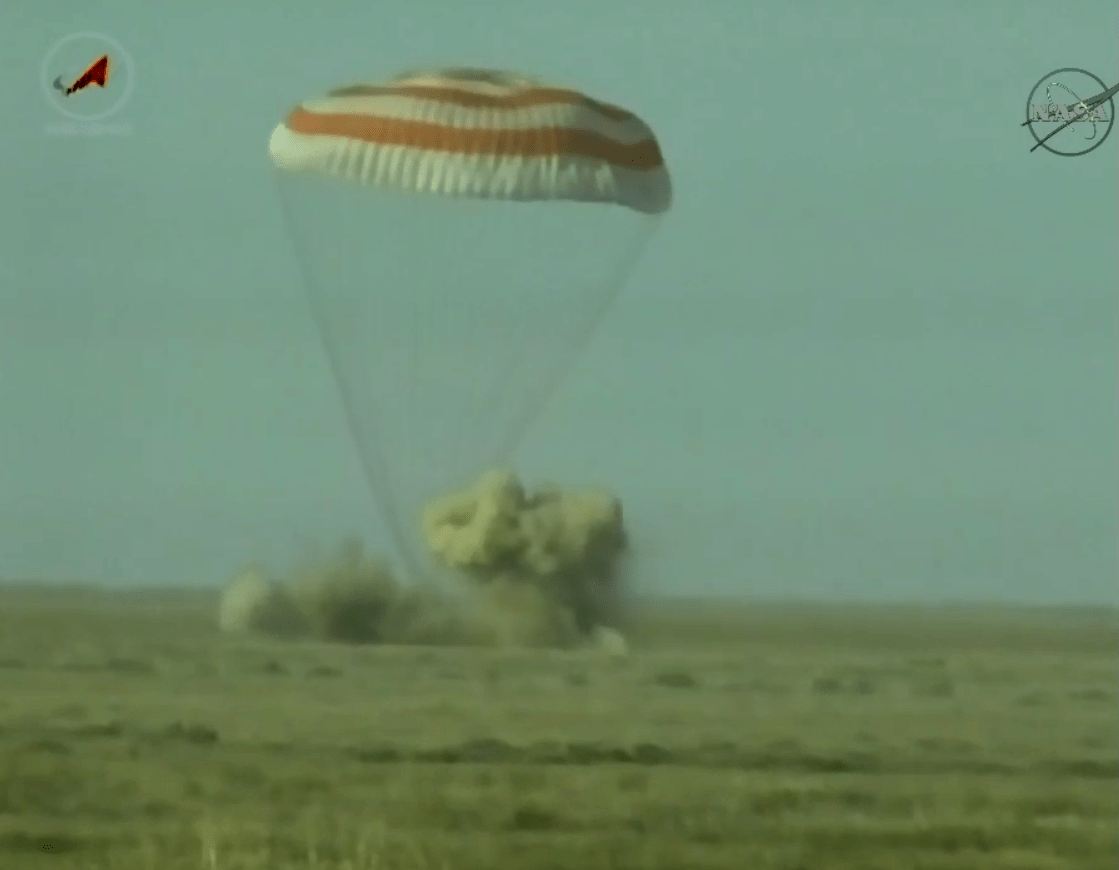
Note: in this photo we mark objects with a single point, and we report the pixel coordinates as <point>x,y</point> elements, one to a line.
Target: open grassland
<point>133,735</point>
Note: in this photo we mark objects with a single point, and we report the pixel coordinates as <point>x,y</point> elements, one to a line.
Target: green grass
<point>774,737</point>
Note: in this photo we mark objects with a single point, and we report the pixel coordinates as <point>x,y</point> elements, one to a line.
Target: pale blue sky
<point>871,354</point>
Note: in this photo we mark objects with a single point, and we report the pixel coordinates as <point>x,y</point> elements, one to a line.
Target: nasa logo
<point>1081,122</point>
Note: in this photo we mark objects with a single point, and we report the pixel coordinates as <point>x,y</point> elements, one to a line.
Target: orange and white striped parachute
<point>461,232</point>
<point>477,133</point>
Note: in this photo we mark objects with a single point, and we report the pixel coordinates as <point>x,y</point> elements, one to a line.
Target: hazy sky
<point>871,354</point>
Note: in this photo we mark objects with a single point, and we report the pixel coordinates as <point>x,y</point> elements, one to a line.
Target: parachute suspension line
<point>442,370</point>
<point>521,338</point>
<point>587,329</point>
<point>475,361</point>
<point>374,468</point>
<point>574,334</point>
<point>410,379</point>
<point>505,326</point>
<point>411,382</point>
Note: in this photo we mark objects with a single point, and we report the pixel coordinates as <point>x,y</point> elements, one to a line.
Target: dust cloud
<point>529,569</point>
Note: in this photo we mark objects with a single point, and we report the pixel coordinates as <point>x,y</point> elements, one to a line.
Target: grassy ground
<point>133,736</point>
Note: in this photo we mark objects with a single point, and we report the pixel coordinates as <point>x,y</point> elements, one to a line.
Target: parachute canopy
<point>461,232</point>
<point>477,133</point>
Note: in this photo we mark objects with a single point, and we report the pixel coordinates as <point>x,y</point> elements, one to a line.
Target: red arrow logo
<point>96,74</point>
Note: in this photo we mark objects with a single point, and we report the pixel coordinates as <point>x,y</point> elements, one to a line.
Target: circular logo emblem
<point>1070,112</point>
<point>87,76</point>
